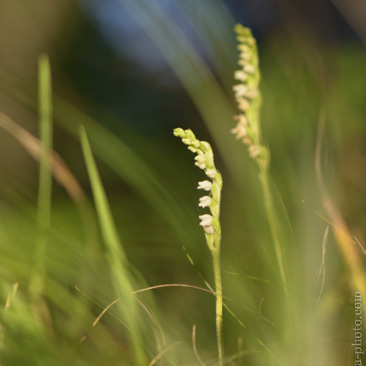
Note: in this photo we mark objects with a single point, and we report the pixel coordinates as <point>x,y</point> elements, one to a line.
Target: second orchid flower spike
<point>248,96</point>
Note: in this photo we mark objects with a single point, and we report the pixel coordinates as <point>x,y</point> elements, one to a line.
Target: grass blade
<point>45,175</point>
<point>115,253</point>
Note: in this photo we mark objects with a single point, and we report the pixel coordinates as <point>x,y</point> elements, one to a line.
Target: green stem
<point>219,302</point>
<point>37,278</point>
<point>268,201</point>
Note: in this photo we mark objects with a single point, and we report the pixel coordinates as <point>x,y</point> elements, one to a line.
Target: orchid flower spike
<point>210,222</point>
<point>204,159</point>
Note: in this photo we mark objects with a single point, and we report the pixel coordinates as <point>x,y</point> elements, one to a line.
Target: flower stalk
<point>209,221</point>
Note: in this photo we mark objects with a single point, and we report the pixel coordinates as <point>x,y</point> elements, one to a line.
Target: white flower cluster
<point>204,160</point>
<point>247,93</point>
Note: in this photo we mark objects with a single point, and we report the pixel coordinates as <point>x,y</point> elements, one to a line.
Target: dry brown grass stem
<point>174,285</point>
<point>32,145</point>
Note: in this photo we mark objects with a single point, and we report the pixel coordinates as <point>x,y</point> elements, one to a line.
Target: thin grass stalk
<point>45,176</point>
<point>273,224</point>
<point>219,303</point>
<point>115,254</point>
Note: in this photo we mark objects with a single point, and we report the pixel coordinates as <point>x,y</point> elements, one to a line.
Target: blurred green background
<point>130,72</point>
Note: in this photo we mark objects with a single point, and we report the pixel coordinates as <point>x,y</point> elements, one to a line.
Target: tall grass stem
<point>273,225</point>
<point>219,302</point>
<point>116,256</point>
<point>45,176</point>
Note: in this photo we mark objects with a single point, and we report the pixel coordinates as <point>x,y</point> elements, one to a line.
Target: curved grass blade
<point>116,256</point>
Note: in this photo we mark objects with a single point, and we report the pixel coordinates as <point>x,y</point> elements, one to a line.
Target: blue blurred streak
<point>127,38</point>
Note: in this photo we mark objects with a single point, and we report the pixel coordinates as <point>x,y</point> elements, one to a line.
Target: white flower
<point>240,90</point>
<point>206,220</point>
<point>240,131</point>
<point>247,141</point>
<point>192,149</point>
<point>211,173</point>
<point>205,201</point>
<point>251,93</point>
<point>209,229</point>
<point>243,48</point>
<point>245,56</point>
<point>200,165</point>
<point>205,185</point>
<point>242,120</point>
<point>200,159</point>
<point>240,75</point>
<point>243,104</point>
<point>249,69</point>
<point>254,151</point>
